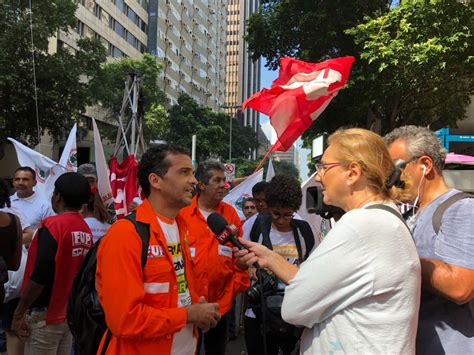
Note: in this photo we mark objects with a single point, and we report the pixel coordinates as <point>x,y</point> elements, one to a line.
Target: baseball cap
<point>87,170</point>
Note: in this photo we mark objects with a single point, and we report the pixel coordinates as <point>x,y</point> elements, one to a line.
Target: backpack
<point>263,224</point>
<point>438,213</point>
<point>274,298</point>
<point>85,315</point>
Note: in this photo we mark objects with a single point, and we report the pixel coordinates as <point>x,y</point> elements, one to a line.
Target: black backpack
<point>263,224</point>
<point>85,315</point>
<point>273,298</point>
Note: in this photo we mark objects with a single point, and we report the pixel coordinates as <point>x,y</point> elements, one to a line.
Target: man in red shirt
<point>218,278</point>
<point>54,257</point>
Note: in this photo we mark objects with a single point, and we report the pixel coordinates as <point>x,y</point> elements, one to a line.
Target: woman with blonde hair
<point>359,291</point>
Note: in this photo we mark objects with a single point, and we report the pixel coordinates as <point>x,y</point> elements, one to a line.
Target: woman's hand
<point>258,254</point>
<point>255,253</point>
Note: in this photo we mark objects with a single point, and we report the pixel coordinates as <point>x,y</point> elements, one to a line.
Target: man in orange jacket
<point>154,310</point>
<point>218,278</point>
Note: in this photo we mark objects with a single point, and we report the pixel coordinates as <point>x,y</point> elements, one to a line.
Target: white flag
<point>41,164</point>
<point>103,174</point>
<point>270,171</point>
<point>236,196</point>
<point>68,158</point>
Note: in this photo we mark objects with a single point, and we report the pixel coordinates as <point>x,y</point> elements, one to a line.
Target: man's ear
<point>201,186</point>
<point>155,181</point>
<point>35,182</point>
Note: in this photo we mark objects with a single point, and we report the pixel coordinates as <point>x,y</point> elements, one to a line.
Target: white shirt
<point>35,208</point>
<point>97,227</point>
<point>359,291</point>
<point>184,341</point>
<point>15,278</point>
<point>23,220</point>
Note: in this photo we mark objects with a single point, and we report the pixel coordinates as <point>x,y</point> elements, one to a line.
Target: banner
<point>270,171</point>
<point>103,174</point>
<point>68,158</point>
<point>47,170</point>
<point>236,196</point>
<point>299,95</point>
<point>124,183</point>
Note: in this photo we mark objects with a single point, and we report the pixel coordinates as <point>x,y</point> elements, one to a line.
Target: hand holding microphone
<point>249,253</point>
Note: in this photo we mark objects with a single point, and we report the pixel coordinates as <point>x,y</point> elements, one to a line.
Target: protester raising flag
<point>299,95</point>
<point>47,170</point>
<point>236,196</point>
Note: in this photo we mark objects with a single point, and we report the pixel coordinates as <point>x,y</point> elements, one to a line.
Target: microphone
<point>224,232</point>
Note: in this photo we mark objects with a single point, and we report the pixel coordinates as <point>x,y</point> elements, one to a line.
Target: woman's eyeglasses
<point>321,168</point>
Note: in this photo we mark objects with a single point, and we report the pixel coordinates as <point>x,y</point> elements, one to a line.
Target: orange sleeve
<point>119,283</point>
<point>241,277</point>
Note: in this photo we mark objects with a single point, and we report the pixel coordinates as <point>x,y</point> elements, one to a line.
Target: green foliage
<point>422,54</point>
<point>414,62</point>
<point>245,167</point>
<point>109,89</point>
<point>212,130</point>
<point>63,78</point>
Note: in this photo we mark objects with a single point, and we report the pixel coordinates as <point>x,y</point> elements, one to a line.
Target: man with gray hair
<point>218,278</point>
<point>446,322</point>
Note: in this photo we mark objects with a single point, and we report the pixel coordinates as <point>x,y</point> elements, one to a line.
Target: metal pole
<point>230,139</point>
<point>193,149</point>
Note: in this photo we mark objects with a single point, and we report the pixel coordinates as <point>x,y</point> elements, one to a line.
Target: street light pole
<point>230,139</point>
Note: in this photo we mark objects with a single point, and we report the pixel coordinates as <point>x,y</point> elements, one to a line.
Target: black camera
<point>315,204</point>
<point>267,281</point>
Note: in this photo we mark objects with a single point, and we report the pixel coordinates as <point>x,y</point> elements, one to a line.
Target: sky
<point>267,76</point>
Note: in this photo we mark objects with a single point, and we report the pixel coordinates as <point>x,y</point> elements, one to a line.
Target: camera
<point>267,282</point>
<point>315,204</point>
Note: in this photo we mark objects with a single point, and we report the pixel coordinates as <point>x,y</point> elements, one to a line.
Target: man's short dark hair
<point>248,199</point>
<point>27,169</point>
<point>154,161</point>
<point>74,189</point>
<point>259,187</point>
<point>203,171</point>
<point>284,191</point>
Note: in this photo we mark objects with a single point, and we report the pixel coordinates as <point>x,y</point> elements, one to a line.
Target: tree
<point>413,61</point>
<point>62,79</point>
<point>212,130</point>
<point>245,167</point>
<point>421,54</point>
<point>109,88</point>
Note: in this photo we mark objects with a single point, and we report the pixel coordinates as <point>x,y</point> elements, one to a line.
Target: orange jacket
<point>216,274</point>
<point>140,322</point>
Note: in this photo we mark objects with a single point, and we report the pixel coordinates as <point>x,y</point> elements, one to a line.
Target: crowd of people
<point>379,282</point>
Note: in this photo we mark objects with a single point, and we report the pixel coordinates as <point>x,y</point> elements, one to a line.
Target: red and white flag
<point>124,183</point>
<point>299,95</point>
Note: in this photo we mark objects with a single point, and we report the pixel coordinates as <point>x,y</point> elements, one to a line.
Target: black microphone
<point>224,232</point>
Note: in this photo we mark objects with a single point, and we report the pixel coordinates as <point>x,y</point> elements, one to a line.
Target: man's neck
<point>433,189</point>
<point>25,194</point>
<point>206,204</point>
<point>161,207</point>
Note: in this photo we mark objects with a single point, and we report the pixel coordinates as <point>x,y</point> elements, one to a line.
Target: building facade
<point>189,37</point>
<point>242,73</point>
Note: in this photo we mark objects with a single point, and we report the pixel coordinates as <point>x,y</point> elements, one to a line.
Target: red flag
<point>299,95</point>
<point>124,183</point>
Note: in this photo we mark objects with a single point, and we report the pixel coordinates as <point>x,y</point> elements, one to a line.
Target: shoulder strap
<point>256,228</point>
<point>306,233</point>
<point>265,227</point>
<point>143,231</point>
<point>391,210</point>
<point>438,214</point>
